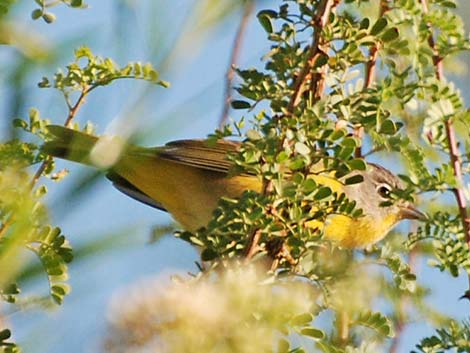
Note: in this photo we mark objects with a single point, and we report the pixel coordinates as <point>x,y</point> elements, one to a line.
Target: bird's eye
<point>384,191</point>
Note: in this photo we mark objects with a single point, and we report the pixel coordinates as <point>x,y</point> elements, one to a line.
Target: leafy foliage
<point>5,6</point>
<point>375,321</point>
<point>49,17</point>
<point>97,72</point>
<point>407,110</point>
<point>7,347</point>
<point>24,223</point>
<point>343,81</point>
<point>456,337</point>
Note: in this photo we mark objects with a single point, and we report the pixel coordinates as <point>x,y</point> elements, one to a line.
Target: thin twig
<point>370,74</point>
<point>315,52</point>
<point>73,111</point>
<point>252,247</point>
<point>456,165</point>
<point>247,11</point>
<point>68,121</point>
<point>371,65</point>
<point>343,327</point>
<point>5,224</point>
<point>37,175</point>
<point>39,171</point>
<point>403,303</point>
<point>436,57</point>
<point>359,134</point>
<point>451,139</point>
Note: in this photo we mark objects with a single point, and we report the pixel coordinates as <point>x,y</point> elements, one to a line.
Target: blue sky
<point>189,108</point>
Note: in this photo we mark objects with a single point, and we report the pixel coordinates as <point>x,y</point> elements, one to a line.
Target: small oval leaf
<point>312,332</point>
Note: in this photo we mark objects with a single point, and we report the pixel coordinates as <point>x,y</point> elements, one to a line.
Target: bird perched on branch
<point>187,178</point>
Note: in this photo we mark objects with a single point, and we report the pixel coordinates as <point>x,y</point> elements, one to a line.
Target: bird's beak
<point>409,211</point>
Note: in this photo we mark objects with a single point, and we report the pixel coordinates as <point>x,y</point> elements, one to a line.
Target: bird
<point>188,177</point>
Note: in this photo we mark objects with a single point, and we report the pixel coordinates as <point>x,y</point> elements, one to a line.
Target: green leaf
<point>337,134</point>
<point>309,186</point>
<point>321,60</point>
<point>37,13</point>
<point>48,17</point>
<point>364,23</point>
<point>302,319</point>
<point>355,179</point>
<point>390,35</point>
<point>389,127</point>
<point>5,334</point>
<point>76,3</point>
<point>282,157</point>
<point>322,193</point>
<point>379,26</point>
<point>264,18</point>
<point>297,163</point>
<point>351,142</point>
<point>376,321</point>
<point>253,135</point>
<point>208,255</point>
<point>239,104</point>
<point>357,164</point>
<point>312,332</point>
<point>283,346</point>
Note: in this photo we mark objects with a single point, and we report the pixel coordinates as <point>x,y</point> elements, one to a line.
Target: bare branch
<point>404,301</point>
<point>370,73</point>
<point>247,11</point>
<point>316,50</point>
<point>457,166</point>
<point>451,139</point>
<point>252,247</point>
<point>370,70</point>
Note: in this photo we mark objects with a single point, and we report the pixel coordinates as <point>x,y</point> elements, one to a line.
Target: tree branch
<point>436,58</point>
<point>252,247</point>
<point>371,65</point>
<point>317,84</point>
<point>370,74</point>
<point>457,166</point>
<point>247,11</point>
<point>404,302</point>
<point>315,52</point>
<point>68,121</point>
<point>451,139</point>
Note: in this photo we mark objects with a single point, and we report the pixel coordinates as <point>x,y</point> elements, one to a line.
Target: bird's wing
<point>203,154</point>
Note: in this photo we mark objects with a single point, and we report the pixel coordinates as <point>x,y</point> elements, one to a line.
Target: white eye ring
<point>384,190</point>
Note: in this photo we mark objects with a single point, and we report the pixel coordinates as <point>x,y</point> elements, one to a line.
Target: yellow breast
<point>357,232</point>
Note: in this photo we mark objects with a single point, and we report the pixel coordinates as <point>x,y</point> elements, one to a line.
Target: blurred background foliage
<point>190,43</point>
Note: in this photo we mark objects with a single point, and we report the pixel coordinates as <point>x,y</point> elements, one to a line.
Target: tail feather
<point>69,144</point>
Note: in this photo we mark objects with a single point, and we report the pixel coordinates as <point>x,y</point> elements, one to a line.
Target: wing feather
<point>196,153</point>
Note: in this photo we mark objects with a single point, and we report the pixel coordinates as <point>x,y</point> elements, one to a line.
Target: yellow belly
<point>357,232</point>
<point>191,194</point>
